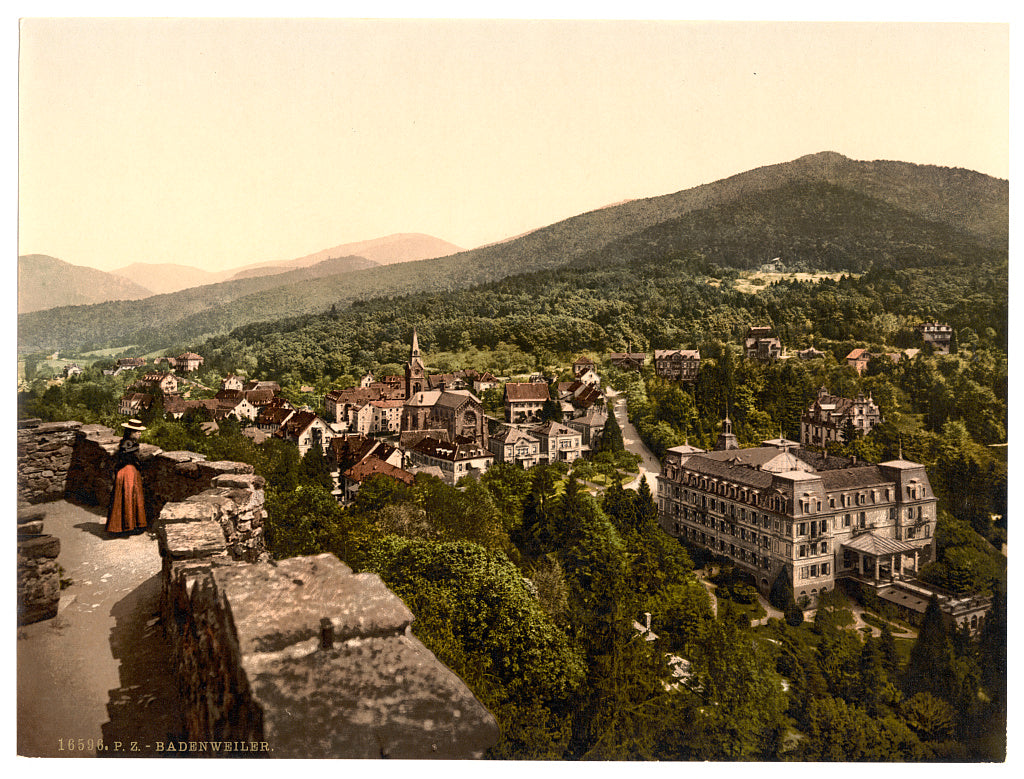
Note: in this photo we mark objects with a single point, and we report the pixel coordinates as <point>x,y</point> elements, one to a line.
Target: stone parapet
<point>38,571</point>
<point>313,661</point>
<point>302,656</point>
<point>44,454</point>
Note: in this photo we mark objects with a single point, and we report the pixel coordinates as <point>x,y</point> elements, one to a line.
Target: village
<point>786,505</point>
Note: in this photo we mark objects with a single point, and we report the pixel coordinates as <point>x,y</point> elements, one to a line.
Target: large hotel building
<point>821,516</point>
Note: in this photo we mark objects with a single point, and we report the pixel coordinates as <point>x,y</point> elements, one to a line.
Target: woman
<point>127,510</point>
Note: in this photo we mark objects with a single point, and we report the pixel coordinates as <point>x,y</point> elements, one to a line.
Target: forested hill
<point>208,308</point>
<point>659,289</point>
<point>808,225</point>
<point>968,203</point>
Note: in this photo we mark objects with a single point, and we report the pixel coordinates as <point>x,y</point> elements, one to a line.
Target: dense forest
<point>528,583</point>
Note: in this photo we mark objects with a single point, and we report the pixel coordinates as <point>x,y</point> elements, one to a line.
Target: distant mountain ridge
<point>46,282</point>
<point>967,203</point>
<point>400,247</point>
<point>166,277</point>
<point>110,322</point>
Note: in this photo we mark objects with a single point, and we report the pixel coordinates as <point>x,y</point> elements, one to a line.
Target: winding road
<point>649,465</point>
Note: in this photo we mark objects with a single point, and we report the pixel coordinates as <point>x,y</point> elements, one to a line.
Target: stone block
<point>245,481</point>
<point>32,514</point>
<point>369,698</point>
<point>95,430</point>
<point>58,427</point>
<point>274,607</point>
<point>211,469</point>
<point>34,528</point>
<point>182,456</point>
<point>40,546</point>
<point>187,511</point>
<point>191,540</point>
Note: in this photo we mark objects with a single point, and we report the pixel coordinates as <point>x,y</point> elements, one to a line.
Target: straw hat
<point>134,424</point>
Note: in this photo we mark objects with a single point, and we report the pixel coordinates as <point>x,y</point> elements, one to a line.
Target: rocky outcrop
<point>38,572</point>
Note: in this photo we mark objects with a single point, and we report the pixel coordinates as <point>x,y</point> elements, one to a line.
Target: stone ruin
<point>300,655</point>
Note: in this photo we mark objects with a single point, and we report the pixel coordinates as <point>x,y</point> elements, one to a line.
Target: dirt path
<point>99,670</point>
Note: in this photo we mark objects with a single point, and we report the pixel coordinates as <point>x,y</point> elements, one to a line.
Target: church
<point>448,415</point>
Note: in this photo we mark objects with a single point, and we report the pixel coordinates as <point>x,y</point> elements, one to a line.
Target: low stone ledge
<point>31,514</point>
<point>30,423</point>
<point>273,607</point>
<point>191,540</point>
<point>188,511</point>
<point>181,456</point>
<point>57,427</point>
<point>38,577</point>
<point>39,546</point>
<point>369,698</point>
<point>34,528</point>
<point>245,481</point>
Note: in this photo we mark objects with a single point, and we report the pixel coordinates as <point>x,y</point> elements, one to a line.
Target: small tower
<point>726,439</point>
<point>415,372</point>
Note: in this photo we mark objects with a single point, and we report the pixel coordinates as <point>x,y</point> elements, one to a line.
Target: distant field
<point>106,352</point>
<point>756,281</point>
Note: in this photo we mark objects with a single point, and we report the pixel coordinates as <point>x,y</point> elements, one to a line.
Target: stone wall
<point>167,477</point>
<point>44,454</point>
<point>302,657</point>
<point>38,572</point>
<point>299,658</point>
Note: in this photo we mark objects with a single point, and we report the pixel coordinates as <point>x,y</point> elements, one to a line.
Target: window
<point>824,571</point>
<point>863,519</point>
<point>803,550</point>
<point>802,529</point>
<point>846,521</point>
<point>814,571</point>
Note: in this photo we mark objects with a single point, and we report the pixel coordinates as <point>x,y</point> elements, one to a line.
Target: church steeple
<point>415,371</point>
<point>726,439</point>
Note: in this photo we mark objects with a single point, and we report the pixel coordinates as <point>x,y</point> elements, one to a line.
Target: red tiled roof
<point>533,390</point>
<point>371,466</point>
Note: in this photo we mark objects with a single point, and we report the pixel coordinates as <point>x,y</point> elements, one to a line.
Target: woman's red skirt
<point>127,509</point>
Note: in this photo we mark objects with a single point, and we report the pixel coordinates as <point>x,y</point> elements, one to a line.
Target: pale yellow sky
<point>218,143</point>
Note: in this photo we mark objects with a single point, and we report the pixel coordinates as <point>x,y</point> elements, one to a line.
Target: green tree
<point>611,435</point>
<point>474,611</point>
<point>742,697</point>
<point>302,521</point>
<point>315,469</point>
<point>931,658</point>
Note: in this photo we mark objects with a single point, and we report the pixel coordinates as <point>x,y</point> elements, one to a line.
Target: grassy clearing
<point>754,282</point>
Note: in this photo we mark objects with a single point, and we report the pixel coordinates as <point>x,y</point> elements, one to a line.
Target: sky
<point>223,142</point>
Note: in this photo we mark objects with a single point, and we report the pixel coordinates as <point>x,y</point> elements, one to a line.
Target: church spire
<point>415,372</point>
